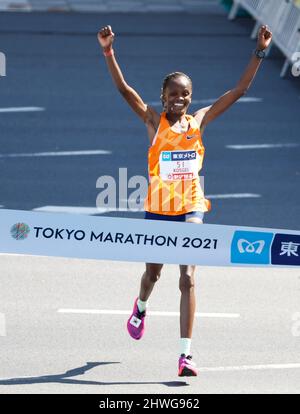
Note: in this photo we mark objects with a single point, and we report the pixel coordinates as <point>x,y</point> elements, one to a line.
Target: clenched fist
<point>264,38</point>
<point>106,37</point>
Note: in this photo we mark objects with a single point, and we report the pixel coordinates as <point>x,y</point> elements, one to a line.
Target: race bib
<point>178,165</point>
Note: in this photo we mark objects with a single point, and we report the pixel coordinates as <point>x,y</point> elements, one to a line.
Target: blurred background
<point>63,124</point>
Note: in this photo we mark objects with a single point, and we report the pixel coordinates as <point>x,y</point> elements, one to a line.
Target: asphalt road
<point>54,63</point>
<point>247,341</point>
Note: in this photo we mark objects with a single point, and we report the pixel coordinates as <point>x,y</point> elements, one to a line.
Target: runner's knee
<point>153,272</point>
<point>186,283</point>
<point>152,276</point>
<point>187,270</point>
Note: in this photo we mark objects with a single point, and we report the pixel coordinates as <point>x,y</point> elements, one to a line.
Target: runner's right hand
<point>106,37</point>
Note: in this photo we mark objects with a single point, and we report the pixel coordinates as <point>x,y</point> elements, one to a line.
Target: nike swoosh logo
<point>191,136</point>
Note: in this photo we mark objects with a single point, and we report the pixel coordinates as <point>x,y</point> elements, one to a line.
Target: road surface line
<point>233,195</point>
<point>211,101</point>
<point>56,154</point>
<point>237,195</point>
<point>82,210</point>
<point>103,210</point>
<point>262,146</point>
<point>250,367</point>
<point>68,209</point>
<point>209,369</point>
<point>22,109</point>
<point>151,313</point>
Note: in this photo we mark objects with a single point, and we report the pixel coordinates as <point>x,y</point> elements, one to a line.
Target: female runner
<point>175,158</point>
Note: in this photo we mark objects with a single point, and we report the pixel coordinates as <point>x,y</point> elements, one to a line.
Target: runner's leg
<point>187,313</point>
<point>186,367</point>
<point>149,278</point>
<point>188,300</point>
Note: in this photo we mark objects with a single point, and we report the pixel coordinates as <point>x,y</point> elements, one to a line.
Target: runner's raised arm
<point>106,38</point>
<point>205,115</point>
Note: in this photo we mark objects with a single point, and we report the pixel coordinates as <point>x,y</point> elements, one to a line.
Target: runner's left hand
<point>264,37</point>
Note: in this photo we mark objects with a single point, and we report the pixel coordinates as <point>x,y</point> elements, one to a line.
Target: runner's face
<point>178,95</point>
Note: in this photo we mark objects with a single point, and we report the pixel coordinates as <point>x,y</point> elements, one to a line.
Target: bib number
<point>178,165</point>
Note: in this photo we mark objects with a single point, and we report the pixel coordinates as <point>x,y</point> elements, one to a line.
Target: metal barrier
<point>252,7</point>
<point>282,16</point>
<point>287,37</point>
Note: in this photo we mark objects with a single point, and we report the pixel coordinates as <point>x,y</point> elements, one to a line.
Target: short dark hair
<point>170,77</point>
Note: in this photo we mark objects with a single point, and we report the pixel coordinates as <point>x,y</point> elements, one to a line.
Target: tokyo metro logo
<point>251,247</point>
<point>166,156</point>
<point>20,231</point>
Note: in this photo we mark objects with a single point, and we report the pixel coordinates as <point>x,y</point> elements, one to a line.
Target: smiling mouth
<point>178,105</point>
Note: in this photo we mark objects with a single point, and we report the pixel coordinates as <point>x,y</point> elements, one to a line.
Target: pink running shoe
<point>136,323</point>
<point>186,368</point>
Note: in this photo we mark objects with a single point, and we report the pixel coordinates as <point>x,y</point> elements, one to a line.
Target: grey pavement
<point>46,351</point>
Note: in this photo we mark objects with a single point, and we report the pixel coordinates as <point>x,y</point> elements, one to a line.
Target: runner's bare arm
<point>146,113</point>
<point>205,115</point>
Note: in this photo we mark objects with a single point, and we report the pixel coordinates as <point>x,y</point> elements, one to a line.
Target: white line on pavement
<point>151,313</point>
<point>223,369</point>
<point>262,146</point>
<point>211,101</point>
<point>56,154</point>
<point>103,210</point>
<point>81,210</point>
<point>68,209</point>
<point>22,109</point>
<point>232,195</point>
<point>236,195</point>
<point>250,367</point>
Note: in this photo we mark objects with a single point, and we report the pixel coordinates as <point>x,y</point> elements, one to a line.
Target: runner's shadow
<point>65,378</point>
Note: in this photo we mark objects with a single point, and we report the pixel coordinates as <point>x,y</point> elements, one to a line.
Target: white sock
<point>185,346</point>
<point>141,305</point>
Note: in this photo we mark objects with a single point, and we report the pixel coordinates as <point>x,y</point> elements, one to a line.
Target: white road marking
<point>80,210</point>
<point>150,313</point>
<point>56,154</point>
<point>22,109</point>
<point>250,367</point>
<point>211,101</point>
<point>68,209</point>
<point>235,195</point>
<point>262,146</point>
<point>218,369</point>
<point>103,210</point>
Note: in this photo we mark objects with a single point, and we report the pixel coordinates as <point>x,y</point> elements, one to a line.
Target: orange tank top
<point>174,162</point>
